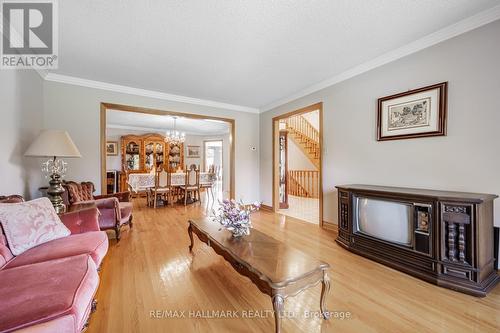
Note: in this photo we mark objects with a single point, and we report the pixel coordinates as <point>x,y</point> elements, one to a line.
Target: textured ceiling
<point>158,123</point>
<point>249,53</point>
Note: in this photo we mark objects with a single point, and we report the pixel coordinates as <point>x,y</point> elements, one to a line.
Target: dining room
<point>168,158</point>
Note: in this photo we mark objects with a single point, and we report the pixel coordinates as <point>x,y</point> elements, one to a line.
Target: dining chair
<point>163,186</point>
<point>149,189</point>
<point>191,183</point>
<point>209,184</point>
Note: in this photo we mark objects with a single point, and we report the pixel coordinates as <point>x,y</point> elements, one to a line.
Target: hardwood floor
<point>151,270</point>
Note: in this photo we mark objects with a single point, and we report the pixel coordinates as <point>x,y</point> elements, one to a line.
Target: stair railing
<point>303,183</point>
<point>300,125</point>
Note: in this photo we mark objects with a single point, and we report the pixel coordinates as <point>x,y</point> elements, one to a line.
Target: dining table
<point>142,181</point>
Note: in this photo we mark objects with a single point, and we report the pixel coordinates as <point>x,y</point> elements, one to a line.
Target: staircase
<point>303,183</point>
<point>305,136</point>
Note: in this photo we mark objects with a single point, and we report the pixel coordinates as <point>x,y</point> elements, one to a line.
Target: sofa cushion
<point>64,324</point>
<point>79,192</point>
<point>5,254</point>
<point>28,224</point>
<point>47,291</point>
<point>93,243</point>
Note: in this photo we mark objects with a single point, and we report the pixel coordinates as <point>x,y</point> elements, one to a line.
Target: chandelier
<point>174,136</point>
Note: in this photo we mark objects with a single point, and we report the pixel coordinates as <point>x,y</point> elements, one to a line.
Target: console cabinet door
<point>344,217</point>
<point>457,235</point>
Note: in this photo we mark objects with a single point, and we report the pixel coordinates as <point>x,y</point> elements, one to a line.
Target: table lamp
<point>54,144</point>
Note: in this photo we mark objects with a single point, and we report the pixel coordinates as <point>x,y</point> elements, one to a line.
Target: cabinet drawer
<point>457,272</point>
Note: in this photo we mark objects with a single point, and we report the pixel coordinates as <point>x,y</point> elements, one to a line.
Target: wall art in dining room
<point>193,151</point>
<point>413,114</point>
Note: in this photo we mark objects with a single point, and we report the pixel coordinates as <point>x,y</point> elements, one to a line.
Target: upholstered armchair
<point>115,209</point>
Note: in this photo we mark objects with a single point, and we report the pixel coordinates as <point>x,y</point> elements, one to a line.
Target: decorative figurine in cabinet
<point>175,156</point>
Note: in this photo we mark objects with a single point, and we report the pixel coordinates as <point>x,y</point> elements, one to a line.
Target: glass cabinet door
<point>159,149</point>
<point>149,150</point>
<point>132,156</point>
<point>174,158</point>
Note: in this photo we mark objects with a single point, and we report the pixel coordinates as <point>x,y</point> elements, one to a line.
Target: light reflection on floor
<point>306,209</point>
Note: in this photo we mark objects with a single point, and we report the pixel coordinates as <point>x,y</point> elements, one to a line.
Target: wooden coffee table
<point>276,269</point>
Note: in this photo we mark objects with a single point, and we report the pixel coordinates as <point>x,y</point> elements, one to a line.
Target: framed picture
<point>111,148</point>
<point>193,151</point>
<point>413,114</point>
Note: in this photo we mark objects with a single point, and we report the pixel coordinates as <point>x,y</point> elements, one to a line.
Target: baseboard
<point>496,236</point>
<point>266,208</point>
<point>330,226</point>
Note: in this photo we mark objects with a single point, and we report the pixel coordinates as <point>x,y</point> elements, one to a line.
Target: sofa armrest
<point>109,203</point>
<point>14,198</point>
<point>81,221</point>
<point>121,196</point>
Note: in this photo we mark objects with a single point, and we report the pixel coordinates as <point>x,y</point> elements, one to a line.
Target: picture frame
<point>193,151</point>
<point>111,148</point>
<point>412,114</point>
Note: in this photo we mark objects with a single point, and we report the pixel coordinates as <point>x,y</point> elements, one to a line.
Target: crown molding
<point>439,36</point>
<point>42,72</point>
<point>53,77</point>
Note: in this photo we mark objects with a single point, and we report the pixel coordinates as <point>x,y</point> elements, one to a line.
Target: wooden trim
<point>129,108</point>
<point>275,123</point>
<point>266,208</point>
<point>331,227</point>
<point>103,148</point>
<point>322,224</point>
<point>275,181</point>
<point>307,109</point>
<point>442,109</point>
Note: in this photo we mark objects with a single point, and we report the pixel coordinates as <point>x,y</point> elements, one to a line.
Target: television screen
<point>387,220</point>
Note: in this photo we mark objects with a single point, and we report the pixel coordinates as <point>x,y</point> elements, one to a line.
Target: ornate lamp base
<point>55,168</point>
<point>54,193</point>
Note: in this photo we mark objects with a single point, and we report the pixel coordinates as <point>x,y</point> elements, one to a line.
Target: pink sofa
<point>51,287</point>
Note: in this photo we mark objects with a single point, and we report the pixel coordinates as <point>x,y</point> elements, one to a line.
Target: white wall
<point>297,160</point>
<point>76,109</point>
<point>193,140</point>
<point>467,159</point>
<point>21,120</point>
<point>313,118</point>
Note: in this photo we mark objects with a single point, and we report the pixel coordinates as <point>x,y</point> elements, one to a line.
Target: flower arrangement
<point>235,216</point>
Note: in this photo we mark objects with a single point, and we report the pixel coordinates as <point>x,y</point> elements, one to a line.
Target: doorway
<point>297,156</point>
<point>190,154</point>
<point>213,162</point>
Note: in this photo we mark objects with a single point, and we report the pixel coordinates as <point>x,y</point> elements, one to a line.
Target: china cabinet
<point>144,153</point>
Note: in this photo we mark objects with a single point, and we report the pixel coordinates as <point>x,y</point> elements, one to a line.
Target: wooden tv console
<point>455,250</point>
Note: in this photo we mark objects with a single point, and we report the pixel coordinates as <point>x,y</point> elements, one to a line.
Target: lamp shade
<point>50,143</point>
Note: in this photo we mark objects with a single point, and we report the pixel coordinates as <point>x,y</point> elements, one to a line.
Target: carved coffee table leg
<point>325,288</point>
<point>278,307</point>
<point>190,233</point>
